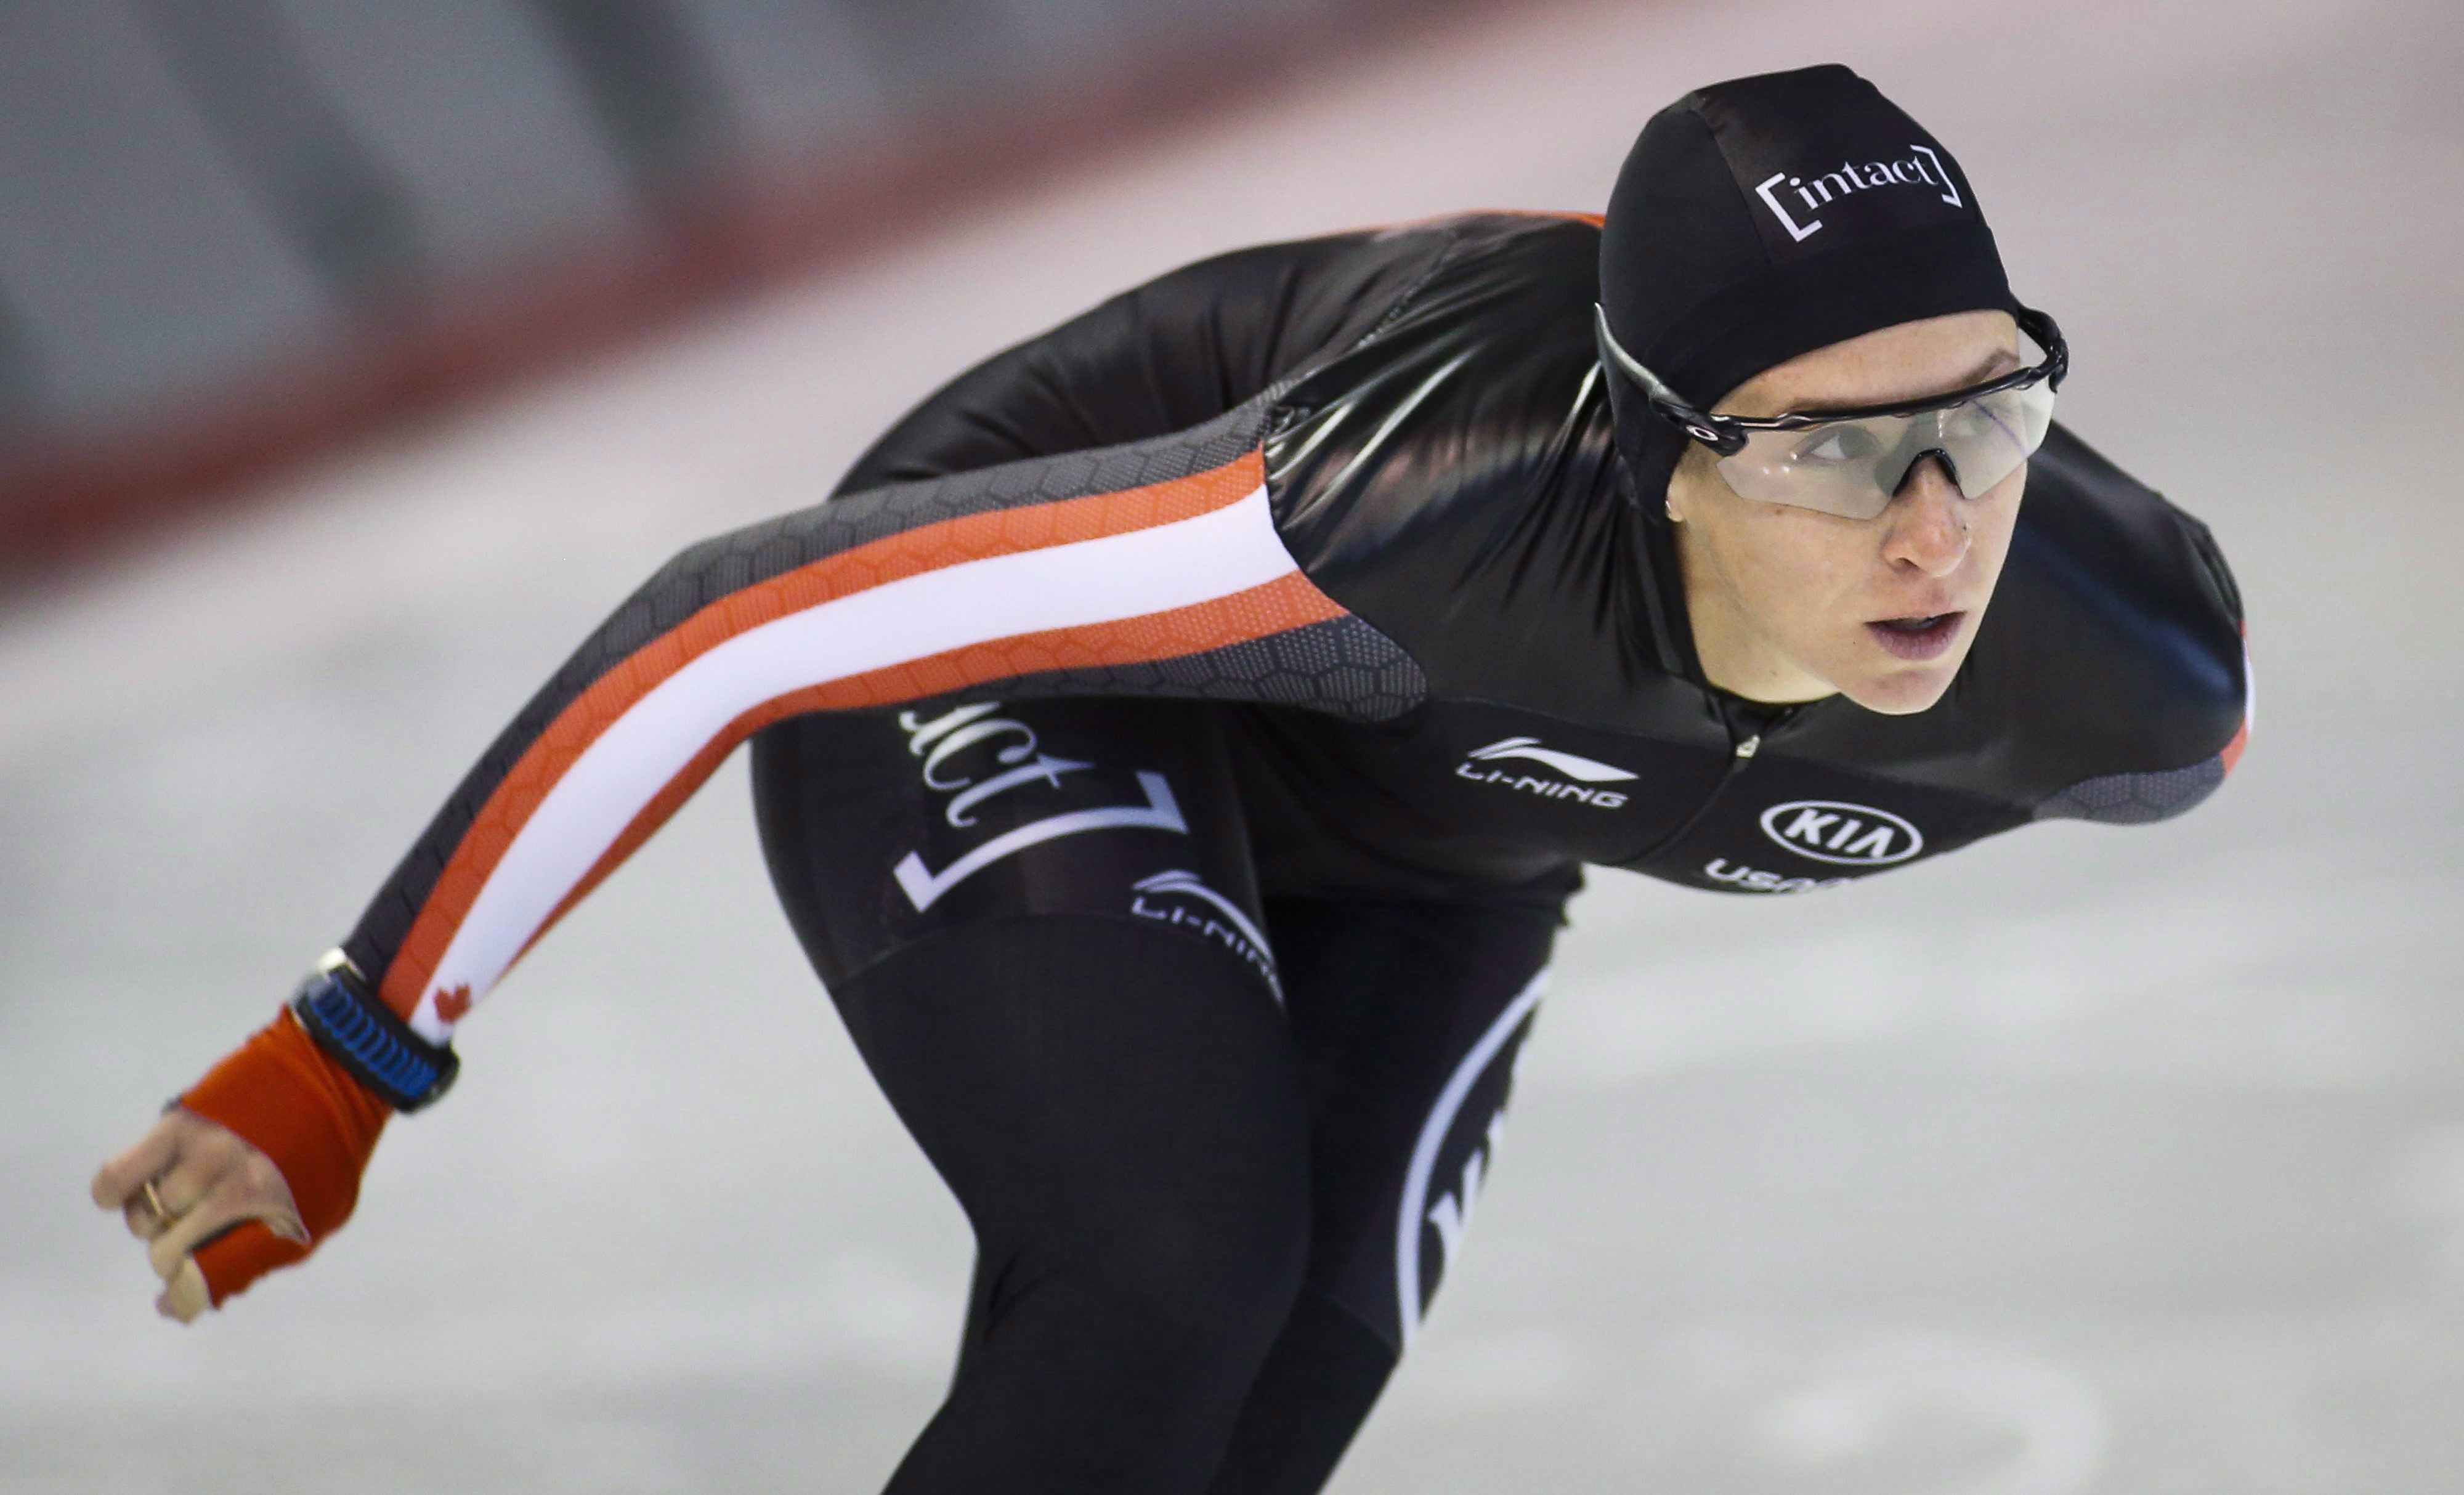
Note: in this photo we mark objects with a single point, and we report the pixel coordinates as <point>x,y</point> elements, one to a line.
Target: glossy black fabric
<point>1163,357</point>
<point>1441,463</point>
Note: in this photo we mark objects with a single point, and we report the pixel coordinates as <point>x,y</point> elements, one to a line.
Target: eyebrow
<point>2000,362</point>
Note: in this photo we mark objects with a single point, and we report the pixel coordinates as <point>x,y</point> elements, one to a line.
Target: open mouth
<point>1917,638</point>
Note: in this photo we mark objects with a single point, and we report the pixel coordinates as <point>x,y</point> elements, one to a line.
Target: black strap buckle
<point>353,1023</point>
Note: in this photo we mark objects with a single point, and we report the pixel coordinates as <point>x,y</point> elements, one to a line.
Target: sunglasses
<point>1853,462</point>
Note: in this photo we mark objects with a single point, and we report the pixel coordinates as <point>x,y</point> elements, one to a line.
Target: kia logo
<point>1850,835</point>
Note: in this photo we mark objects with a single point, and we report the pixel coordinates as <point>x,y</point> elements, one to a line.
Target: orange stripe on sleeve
<point>2231,754</point>
<point>1278,607</point>
<point>913,552</point>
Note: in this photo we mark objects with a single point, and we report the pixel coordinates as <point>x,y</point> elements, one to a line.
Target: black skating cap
<point>1768,216</point>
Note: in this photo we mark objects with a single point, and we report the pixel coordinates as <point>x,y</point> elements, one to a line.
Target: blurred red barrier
<point>66,495</point>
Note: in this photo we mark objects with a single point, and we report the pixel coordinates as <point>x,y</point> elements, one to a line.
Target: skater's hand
<point>205,1180</point>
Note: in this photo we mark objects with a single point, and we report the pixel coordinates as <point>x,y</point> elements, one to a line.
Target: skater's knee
<point>1220,1279</point>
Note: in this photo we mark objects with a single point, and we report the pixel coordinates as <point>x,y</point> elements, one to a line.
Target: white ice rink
<point>2086,1161</point>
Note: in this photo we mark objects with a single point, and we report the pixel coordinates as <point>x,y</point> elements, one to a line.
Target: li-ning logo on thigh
<point>1529,750</point>
<point>1227,923</point>
<point>1847,835</point>
<point>937,740</point>
<point>1921,168</point>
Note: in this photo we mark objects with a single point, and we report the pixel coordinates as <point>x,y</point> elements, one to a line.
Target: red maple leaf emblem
<point>451,1006</point>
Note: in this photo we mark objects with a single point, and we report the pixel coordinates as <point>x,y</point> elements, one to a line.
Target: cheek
<point>1996,519</point>
<point>1803,566</point>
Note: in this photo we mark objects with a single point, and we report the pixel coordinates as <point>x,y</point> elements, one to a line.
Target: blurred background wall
<point>235,231</point>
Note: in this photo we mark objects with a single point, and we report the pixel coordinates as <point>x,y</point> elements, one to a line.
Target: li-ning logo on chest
<point>1922,167</point>
<point>1480,766</point>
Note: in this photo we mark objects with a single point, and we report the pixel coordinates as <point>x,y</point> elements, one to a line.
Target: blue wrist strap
<point>354,1026</point>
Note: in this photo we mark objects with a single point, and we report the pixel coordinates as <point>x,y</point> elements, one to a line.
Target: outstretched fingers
<point>120,1183</point>
<point>162,1199</point>
<point>186,1185</point>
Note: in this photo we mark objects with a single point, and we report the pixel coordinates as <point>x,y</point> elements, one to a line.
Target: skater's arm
<point>1056,574</point>
<point>2147,707</point>
<point>1154,557</point>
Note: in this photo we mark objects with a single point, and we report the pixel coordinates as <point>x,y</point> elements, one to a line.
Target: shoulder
<point>1167,355</point>
<point>1302,309</point>
<point>1516,265</point>
<point>2113,647</point>
<point>1451,477</point>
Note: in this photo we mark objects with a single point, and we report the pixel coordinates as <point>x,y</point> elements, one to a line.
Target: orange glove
<point>272,1142</point>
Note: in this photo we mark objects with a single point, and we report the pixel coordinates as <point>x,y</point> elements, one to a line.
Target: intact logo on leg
<point>1840,833</point>
<point>939,740</point>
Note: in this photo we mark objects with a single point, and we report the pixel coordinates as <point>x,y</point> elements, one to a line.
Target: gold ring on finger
<point>154,1203</point>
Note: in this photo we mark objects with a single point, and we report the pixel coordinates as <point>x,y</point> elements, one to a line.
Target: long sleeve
<point>1148,564</point>
<point>2183,700</point>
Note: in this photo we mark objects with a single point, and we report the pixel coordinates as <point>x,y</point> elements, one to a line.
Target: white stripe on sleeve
<point>1212,554</point>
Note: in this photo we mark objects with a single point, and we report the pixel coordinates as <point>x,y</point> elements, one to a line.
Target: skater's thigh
<point>1039,922</point>
<point>885,829</point>
<point>1407,1018</point>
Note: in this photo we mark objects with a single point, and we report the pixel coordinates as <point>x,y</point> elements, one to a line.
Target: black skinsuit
<point>1340,747</point>
<point>1451,481</point>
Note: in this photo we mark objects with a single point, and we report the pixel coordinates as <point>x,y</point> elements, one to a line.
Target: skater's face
<point>1790,604</point>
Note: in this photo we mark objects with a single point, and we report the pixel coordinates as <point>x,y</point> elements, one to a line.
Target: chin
<point>1902,691</point>
<point>1885,680</point>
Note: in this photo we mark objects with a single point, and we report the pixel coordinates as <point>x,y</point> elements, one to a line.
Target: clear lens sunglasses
<point>1853,462</point>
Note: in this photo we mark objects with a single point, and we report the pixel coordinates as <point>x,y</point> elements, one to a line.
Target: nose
<point>1928,524</point>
